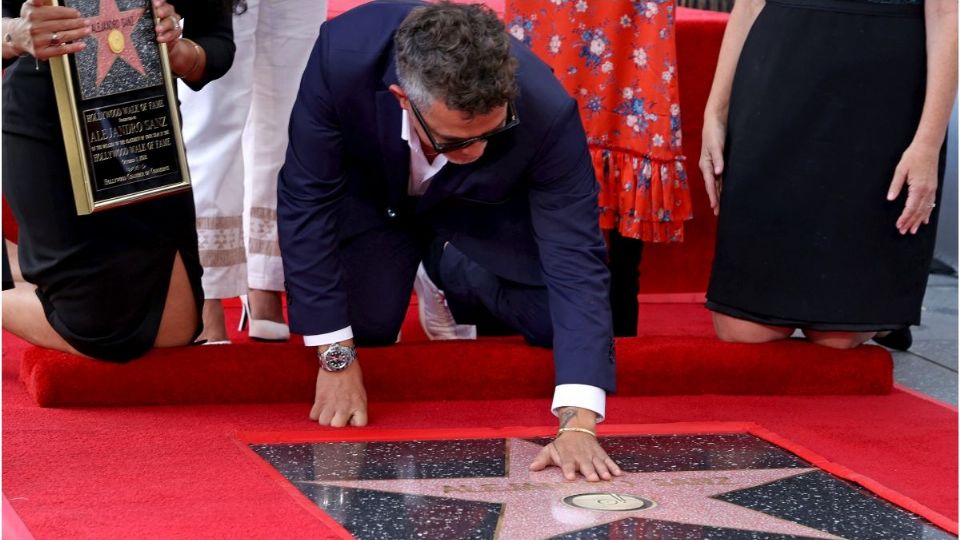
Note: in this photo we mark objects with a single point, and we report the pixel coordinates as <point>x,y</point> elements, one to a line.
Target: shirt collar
<point>406,127</point>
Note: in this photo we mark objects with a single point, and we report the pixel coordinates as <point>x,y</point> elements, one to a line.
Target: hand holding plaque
<point>44,31</point>
<point>118,108</point>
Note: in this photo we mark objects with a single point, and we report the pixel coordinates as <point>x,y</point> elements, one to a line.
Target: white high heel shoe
<point>261,329</point>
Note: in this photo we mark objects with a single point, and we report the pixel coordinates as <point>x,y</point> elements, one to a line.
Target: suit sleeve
<point>565,217</point>
<point>310,186</point>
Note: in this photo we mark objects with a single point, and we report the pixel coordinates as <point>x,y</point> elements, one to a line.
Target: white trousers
<point>235,131</point>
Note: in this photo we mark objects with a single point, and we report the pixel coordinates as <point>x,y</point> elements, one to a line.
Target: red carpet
<point>175,472</point>
<point>673,358</point>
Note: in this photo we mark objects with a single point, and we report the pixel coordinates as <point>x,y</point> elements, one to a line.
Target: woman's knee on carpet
<point>838,340</point>
<point>24,317</point>
<point>736,330</point>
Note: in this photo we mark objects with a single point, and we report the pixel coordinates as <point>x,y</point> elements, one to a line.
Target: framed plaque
<point>118,109</point>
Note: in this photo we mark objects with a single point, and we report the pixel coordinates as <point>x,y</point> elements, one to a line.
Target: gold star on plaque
<point>116,41</point>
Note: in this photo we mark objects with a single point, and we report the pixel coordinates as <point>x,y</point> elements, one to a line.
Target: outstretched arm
<point>309,190</point>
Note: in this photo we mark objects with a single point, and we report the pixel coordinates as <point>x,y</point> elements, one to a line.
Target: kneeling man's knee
<point>375,335</point>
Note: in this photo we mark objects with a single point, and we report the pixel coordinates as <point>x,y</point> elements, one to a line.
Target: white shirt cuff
<point>330,337</point>
<point>580,395</point>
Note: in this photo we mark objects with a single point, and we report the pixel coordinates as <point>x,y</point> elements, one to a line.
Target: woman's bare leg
<point>214,322</point>
<point>23,316</point>
<point>741,331</point>
<point>839,340</point>
<point>265,305</point>
<point>13,257</point>
<point>180,318</point>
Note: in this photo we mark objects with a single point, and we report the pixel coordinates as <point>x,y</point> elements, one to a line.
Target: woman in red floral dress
<point>618,59</point>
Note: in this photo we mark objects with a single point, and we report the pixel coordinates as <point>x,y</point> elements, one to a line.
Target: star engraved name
<point>114,24</point>
<point>522,486</point>
<point>565,485</point>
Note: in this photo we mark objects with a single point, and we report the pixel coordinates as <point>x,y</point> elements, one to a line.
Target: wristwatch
<point>337,357</point>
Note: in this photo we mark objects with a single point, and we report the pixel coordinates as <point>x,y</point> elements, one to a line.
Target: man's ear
<point>399,94</point>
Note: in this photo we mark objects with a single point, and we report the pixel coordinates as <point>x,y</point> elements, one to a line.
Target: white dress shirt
<point>421,172</point>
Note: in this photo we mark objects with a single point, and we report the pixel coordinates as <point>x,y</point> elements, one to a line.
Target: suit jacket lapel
<point>442,185</point>
<point>394,151</point>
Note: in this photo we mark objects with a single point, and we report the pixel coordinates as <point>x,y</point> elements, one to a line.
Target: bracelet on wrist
<point>563,430</point>
<point>196,59</point>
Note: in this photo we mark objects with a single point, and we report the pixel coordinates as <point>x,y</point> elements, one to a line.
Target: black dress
<point>826,97</point>
<point>102,278</point>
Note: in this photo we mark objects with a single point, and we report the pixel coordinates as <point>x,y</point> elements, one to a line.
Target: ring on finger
<point>55,39</point>
<point>933,205</point>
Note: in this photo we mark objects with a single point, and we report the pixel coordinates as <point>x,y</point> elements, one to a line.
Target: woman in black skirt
<point>113,284</point>
<point>827,122</point>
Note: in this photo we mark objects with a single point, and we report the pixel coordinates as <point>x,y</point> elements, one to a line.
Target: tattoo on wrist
<point>566,415</point>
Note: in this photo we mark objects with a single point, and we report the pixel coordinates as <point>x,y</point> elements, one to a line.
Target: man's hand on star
<point>575,451</point>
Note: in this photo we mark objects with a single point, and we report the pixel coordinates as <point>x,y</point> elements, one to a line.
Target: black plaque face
<point>688,486</point>
<point>118,110</point>
<point>130,147</point>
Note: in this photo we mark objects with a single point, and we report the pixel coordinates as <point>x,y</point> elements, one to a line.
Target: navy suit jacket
<point>527,210</point>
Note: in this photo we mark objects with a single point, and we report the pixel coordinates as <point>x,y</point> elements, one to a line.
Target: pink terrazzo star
<point>534,506</point>
<point>113,30</point>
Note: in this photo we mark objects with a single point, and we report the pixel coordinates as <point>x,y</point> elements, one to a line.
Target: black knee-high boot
<point>624,255</point>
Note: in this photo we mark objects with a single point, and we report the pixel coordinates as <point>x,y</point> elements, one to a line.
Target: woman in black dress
<point>113,284</point>
<point>827,123</point>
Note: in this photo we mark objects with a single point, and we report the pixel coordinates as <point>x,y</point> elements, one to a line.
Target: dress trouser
<point>235,131</point>
<point>379,268</point>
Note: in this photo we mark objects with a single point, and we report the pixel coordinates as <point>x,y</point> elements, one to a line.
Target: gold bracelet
<point>577,429</point>
<point>196,60</point>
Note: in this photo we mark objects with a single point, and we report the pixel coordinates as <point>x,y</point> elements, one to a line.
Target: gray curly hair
<point>458,54</point>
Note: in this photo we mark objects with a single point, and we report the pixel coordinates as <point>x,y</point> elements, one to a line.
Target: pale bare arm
<point>718,104</point>
<point>918,165</point>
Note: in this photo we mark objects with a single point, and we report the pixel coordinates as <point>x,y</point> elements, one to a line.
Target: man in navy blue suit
<point>423,133</point>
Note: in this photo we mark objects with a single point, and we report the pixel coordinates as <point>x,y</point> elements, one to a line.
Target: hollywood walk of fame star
<point>113,31</point>
<point>534,507</point>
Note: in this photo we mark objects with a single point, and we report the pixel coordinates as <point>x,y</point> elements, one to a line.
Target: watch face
<point>337,360</point>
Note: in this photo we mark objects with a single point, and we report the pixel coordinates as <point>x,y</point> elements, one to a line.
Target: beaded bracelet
<point>577,429</point>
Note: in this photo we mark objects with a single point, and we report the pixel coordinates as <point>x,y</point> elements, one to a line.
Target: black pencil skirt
<point>826,97</point>
<point>102,278</point>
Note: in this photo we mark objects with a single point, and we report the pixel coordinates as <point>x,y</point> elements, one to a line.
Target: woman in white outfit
<point>236,136</point>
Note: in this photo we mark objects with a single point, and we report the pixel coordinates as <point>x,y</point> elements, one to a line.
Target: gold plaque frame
<point>75,141</point>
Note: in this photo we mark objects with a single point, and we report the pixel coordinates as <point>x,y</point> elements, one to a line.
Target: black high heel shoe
<point>900,339</point>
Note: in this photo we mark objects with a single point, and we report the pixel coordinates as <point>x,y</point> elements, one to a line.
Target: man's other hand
<point>575,451</point>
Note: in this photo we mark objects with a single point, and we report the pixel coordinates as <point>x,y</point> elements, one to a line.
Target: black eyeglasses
<point>512,121</point>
